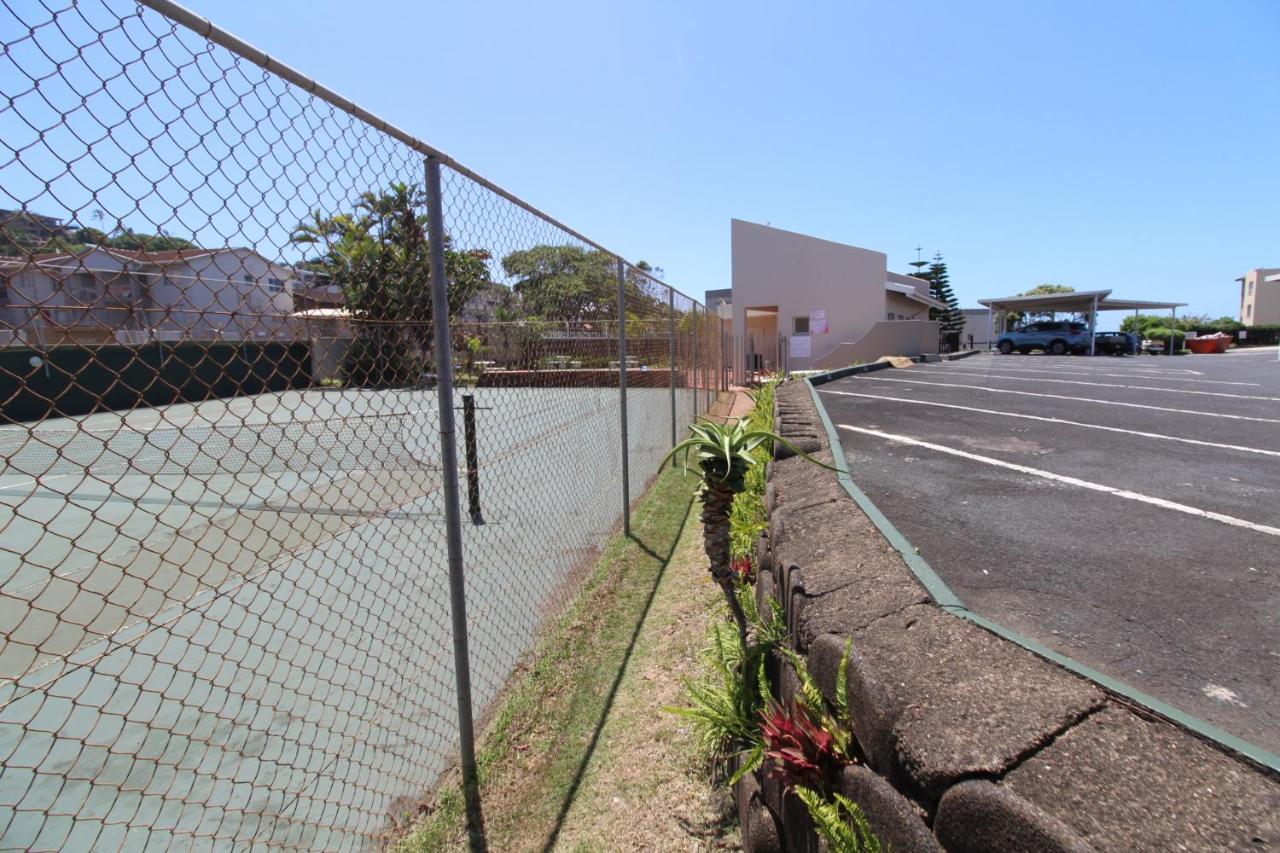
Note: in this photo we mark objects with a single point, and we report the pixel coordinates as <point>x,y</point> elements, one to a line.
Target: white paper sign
<point>818,321</point>
<point>1244,334</point>
<point>798,346</point>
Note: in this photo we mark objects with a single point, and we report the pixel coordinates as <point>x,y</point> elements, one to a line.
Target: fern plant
<point>839,822</point>
<point>725,704</point>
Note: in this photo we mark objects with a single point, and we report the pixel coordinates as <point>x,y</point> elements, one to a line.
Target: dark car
<point>1115,343</point>
<point>1057,337</point>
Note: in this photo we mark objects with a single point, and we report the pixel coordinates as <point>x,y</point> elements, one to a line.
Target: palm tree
<point>724,454</point>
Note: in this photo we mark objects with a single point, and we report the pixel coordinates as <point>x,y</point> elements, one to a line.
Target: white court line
<point>1072,481</point>
<point>1119,385</point>
<point>1043,419</point>
<point>938,367</point>
<point>38,481</point>
<point>874,378</point>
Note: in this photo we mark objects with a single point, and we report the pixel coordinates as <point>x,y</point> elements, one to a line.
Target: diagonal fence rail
<point>241,600</point>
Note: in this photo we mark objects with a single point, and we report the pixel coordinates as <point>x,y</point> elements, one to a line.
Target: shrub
<point>748,518</point>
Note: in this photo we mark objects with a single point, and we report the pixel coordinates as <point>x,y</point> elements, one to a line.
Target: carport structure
<point>1088,302</point>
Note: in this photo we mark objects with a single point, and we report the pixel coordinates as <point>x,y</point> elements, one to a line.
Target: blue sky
<point>1133,146</point>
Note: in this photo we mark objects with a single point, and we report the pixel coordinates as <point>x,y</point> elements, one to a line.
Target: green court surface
<point>229,620</point>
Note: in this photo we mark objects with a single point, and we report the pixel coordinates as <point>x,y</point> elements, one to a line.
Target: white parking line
<point>1084,363</point>
<point>875,378</point>
<point>1043,419</point>
<point>1118,385</point>
<point>938,367</point>
<point>1072,481</point>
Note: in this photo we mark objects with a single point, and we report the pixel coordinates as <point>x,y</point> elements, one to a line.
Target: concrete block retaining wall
<point>972,743</point>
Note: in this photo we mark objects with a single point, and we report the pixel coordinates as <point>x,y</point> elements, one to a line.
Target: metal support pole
<point>693,368</point>
<point>706,359</point>
<point>452,511</point>
<point>724,358</point>
<point>671,345</point>
<point>1173,327</point>
<point>991,327</point>
<point>622,394</point>
<point>1093,324</point>
<point>472,457</point>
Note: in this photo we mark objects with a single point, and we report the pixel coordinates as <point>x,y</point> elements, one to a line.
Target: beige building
<point>807,303</point>
<point>1260,297</point>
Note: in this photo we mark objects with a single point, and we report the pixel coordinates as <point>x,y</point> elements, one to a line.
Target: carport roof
<point>1080,300</point>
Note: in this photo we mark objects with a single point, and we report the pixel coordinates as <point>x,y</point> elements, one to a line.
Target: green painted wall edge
<point>949,601</point>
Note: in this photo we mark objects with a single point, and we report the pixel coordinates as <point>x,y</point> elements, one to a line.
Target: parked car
<point>1056,337</point>
<point>1115,343</point>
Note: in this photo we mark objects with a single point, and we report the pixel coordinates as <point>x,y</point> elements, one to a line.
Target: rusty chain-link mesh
<point>224,618</point>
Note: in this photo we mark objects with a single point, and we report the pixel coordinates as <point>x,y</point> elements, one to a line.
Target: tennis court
<point>231,618</point>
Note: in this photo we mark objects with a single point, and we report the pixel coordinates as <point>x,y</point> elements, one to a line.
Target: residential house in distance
<point>1260,297</point>
<point>788,286</point>
<point>26,228</point>
<point>106,295</point>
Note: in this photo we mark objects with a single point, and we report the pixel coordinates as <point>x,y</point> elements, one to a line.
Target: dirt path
<point>644,789</point>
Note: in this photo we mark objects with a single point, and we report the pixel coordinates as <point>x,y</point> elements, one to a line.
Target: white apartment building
<point>1260,297</point>
<point>104,295</point>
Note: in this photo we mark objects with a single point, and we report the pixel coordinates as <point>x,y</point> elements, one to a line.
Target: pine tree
<point>950,319</point>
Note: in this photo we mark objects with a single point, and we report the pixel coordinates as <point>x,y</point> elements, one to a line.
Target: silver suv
<point>1056,337</point>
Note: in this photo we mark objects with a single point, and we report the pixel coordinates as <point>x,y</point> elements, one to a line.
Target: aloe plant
<point>724,455</point>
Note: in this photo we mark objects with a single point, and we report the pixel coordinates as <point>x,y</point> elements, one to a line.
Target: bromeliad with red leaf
<point>801,751</point>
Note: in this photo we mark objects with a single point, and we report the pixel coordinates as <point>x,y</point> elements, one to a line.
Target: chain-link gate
<point>228,482</point>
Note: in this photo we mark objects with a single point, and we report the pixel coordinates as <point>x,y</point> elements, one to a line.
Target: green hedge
<point>66,381</point>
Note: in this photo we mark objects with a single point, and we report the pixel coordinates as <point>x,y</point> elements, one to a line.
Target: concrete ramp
<point>888,337</point>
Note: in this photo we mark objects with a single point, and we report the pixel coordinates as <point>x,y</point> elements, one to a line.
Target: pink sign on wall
<point>818,321</point>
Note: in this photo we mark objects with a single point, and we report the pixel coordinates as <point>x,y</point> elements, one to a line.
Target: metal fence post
<point>693,366</point>
<point>471,457</point>
<point>671,345</point>
<point>622,393</point>
<point>452,509</point>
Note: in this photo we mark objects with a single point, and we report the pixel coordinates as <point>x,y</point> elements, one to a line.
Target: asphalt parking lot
<point>1122,511</point>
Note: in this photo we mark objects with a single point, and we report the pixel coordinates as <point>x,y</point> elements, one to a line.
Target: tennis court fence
<point>258,350</point>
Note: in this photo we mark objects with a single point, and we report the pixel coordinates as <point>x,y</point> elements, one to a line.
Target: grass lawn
<point>581,754</point>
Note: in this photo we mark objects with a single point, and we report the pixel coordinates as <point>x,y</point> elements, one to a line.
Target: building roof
<point>323,314</point>
<point>1077,301</point>
<point>914,294</point>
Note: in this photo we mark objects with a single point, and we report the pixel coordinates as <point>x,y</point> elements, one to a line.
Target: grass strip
<point>533,753</point>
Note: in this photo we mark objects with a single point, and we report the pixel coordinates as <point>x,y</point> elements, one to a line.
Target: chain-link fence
<point>230,482</point>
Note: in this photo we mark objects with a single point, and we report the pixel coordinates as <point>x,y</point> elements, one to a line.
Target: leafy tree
<point>378,255</point>
<point>575,285</point>
<point>1016,318</point>
<point>564,282</point>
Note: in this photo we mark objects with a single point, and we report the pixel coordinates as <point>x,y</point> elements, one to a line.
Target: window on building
<point>799,325</point>
<point>275,285</point>
<point>1248,312</point>
<point>82,287</point>
<point>248,279</point>
<point>1251,288</point>
<point>890,315</point>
